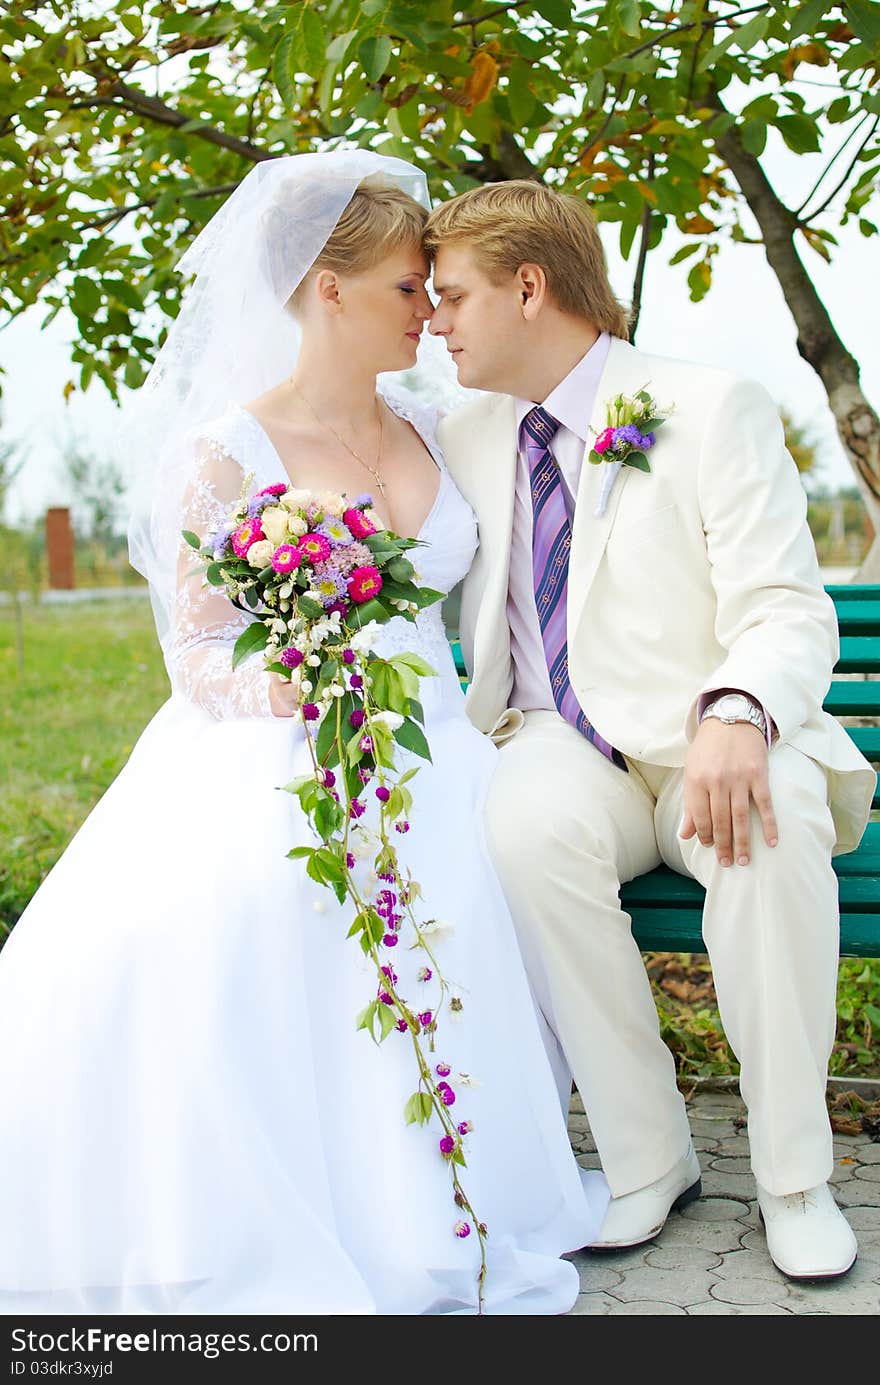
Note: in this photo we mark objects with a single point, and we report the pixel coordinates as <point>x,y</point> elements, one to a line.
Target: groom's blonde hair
<point>523,222</point>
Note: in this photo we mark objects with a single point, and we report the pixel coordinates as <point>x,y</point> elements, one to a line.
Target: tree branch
<point>138,103</point>
<point>831,196</point>
<point>831,162</point>
<point>641,262</point>
<point>118,213</point>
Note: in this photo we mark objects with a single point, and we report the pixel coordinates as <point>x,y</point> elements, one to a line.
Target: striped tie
<point>551,542</point>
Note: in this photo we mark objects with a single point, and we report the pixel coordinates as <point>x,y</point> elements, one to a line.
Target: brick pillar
<point>59,548</point>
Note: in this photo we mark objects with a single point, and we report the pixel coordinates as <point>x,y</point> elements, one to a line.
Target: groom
<point>652,662</point>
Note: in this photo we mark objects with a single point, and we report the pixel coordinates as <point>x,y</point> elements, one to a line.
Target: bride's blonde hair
<point>523,222</point>
<point>379,219</point>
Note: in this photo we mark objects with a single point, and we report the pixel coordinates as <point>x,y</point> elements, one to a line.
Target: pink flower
<point>286,558</point>
<point>358,523</point>
<point>314,547</point>
<point>246,534</point>
<point>390,940</point>
<point>443,1069</point>
<point>447,1146</point>
<point>310,712</point>
<point>291,658</point>
<point>604,440</point>
<point>364,583</point>
<point>383,794</point>
<point>278,489</point>
<point>462,1229</point>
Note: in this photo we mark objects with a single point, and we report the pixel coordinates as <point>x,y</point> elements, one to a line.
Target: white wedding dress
<point>191,1122</point>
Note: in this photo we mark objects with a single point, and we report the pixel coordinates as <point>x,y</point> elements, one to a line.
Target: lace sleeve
<point>206,624</point>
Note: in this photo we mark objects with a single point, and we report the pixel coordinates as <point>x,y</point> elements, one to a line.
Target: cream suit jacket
<point>701,574</point>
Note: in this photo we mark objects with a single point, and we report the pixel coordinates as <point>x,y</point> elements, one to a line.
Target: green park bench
<point>667,908</point>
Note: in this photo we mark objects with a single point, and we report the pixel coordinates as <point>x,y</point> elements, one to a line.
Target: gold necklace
<point>374,471</point>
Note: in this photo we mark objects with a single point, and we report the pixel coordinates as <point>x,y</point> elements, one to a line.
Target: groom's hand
<point>727,769</point>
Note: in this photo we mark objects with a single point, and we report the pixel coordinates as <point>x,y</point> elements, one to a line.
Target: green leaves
<point>417,1110</point>
<point>253,638</point>
<point>375,54</point>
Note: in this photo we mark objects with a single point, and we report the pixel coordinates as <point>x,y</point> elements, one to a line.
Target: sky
<point>743,325</point>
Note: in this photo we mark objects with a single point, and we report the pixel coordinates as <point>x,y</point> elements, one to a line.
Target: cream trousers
<point>566,828</point>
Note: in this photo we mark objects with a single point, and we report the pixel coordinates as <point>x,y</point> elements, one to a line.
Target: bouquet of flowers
<point>320,575</point>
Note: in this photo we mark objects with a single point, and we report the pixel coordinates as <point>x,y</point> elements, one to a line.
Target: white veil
<point>232,337</point>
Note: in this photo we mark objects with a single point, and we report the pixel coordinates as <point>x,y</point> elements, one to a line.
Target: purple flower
<point>350,860</point>
<point>465,1127</point>
<point>365,745</point>
<point>328,778</point>
<point>425,1018</point>
<point>443,1069</point>
<point>462,1229</point>
<point>447,1095</point>
<point>348,656</point>
<point>363,501</point>
<point>401,827</point>
<point>385,998</point>
<point>336,531</point>
<point>356,681</point>
<point>629,433</point>
<point>364,774</point>
<point>447,1146</point>
<point>356,809</point>
<point>394,922</point>
<point>390,974</point>
<point>390,940</point>
<point>425,974</point>
<point>329,583</point>
<point>386,897</point>
<point>220,541</point>
<point>258,503</point>
<point>310,712</point>
<point>291,658</point>
<point>357,718</point>
<point>383,794</point>
<point>401,1026</point>
<point>387,875</point>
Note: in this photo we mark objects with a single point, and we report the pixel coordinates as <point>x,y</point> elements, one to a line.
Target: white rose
<point>274,521</point>
<point>331,502</point>
<point>260,553</point>
<point>294,499</point>
<point>374,518</point>
<point>297,526</point>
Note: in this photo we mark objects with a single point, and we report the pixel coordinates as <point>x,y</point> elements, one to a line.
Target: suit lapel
<point>490,486</point>
<point>625,372</point>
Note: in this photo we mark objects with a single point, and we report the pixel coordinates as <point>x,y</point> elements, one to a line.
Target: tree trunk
<point>818,342</point>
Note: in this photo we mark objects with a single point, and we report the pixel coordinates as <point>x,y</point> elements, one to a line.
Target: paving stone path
<point>712,1258</point>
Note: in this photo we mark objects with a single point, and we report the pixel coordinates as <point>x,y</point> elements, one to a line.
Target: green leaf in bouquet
<point>638,460</point>
<point>410,774</point>
<point>383,745</point>
<point>266,574</point>
<point>353,752</point>
<point>214,574</point>
<point>595,457</point>
<point>300,853</point>
<point>400,569</point>
<point>329,816</point>
<point>281,669</point>
<point>408,679</point>
<point>252,597</point>
<point>411,736</point>
<point>297,785</point>
<point>418,1109</point>
<point>394,806</point>
<point>327,746</point>
<point>427,596</point>
<point>193,540</point>
<point>353,784</point>
<point>367,1017</point>
<point>417,711</point>
<point>255,636</point>
<point>397,591</point>
<point>416,663</point>
<point>307,606</point>
<point>362,615</point>
<point>327,672</point>
<point>458,1157</point>
<point>647,425</point>
<point>386,1021</point>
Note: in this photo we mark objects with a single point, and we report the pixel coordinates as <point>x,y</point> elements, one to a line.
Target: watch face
<point>731,705</point>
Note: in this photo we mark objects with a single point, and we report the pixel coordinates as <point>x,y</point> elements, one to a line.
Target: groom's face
<point>480,321</point>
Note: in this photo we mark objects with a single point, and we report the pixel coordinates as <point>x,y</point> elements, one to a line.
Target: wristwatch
<point>731,707</point>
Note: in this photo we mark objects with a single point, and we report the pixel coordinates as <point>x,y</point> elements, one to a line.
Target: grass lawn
<point>93,676</point>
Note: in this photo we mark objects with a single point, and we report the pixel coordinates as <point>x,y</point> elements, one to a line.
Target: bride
<point>191,1122</point>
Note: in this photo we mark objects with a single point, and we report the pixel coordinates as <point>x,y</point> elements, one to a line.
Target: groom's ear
<point>531,283</point>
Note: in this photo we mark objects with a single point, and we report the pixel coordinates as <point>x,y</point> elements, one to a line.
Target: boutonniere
<point>628,435</point>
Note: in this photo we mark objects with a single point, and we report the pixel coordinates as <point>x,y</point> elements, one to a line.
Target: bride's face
<point>379,314</point>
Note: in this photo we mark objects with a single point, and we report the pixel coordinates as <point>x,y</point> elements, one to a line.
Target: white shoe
<point>808,1236</point>
<point>638,1216</point>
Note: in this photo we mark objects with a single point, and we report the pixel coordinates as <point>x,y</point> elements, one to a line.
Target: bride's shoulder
<point>228,436</point>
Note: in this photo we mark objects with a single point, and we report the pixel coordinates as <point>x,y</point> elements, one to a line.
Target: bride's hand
<point>283,694</point>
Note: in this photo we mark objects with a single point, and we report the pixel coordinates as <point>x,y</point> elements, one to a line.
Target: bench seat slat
<point>679,930</point>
